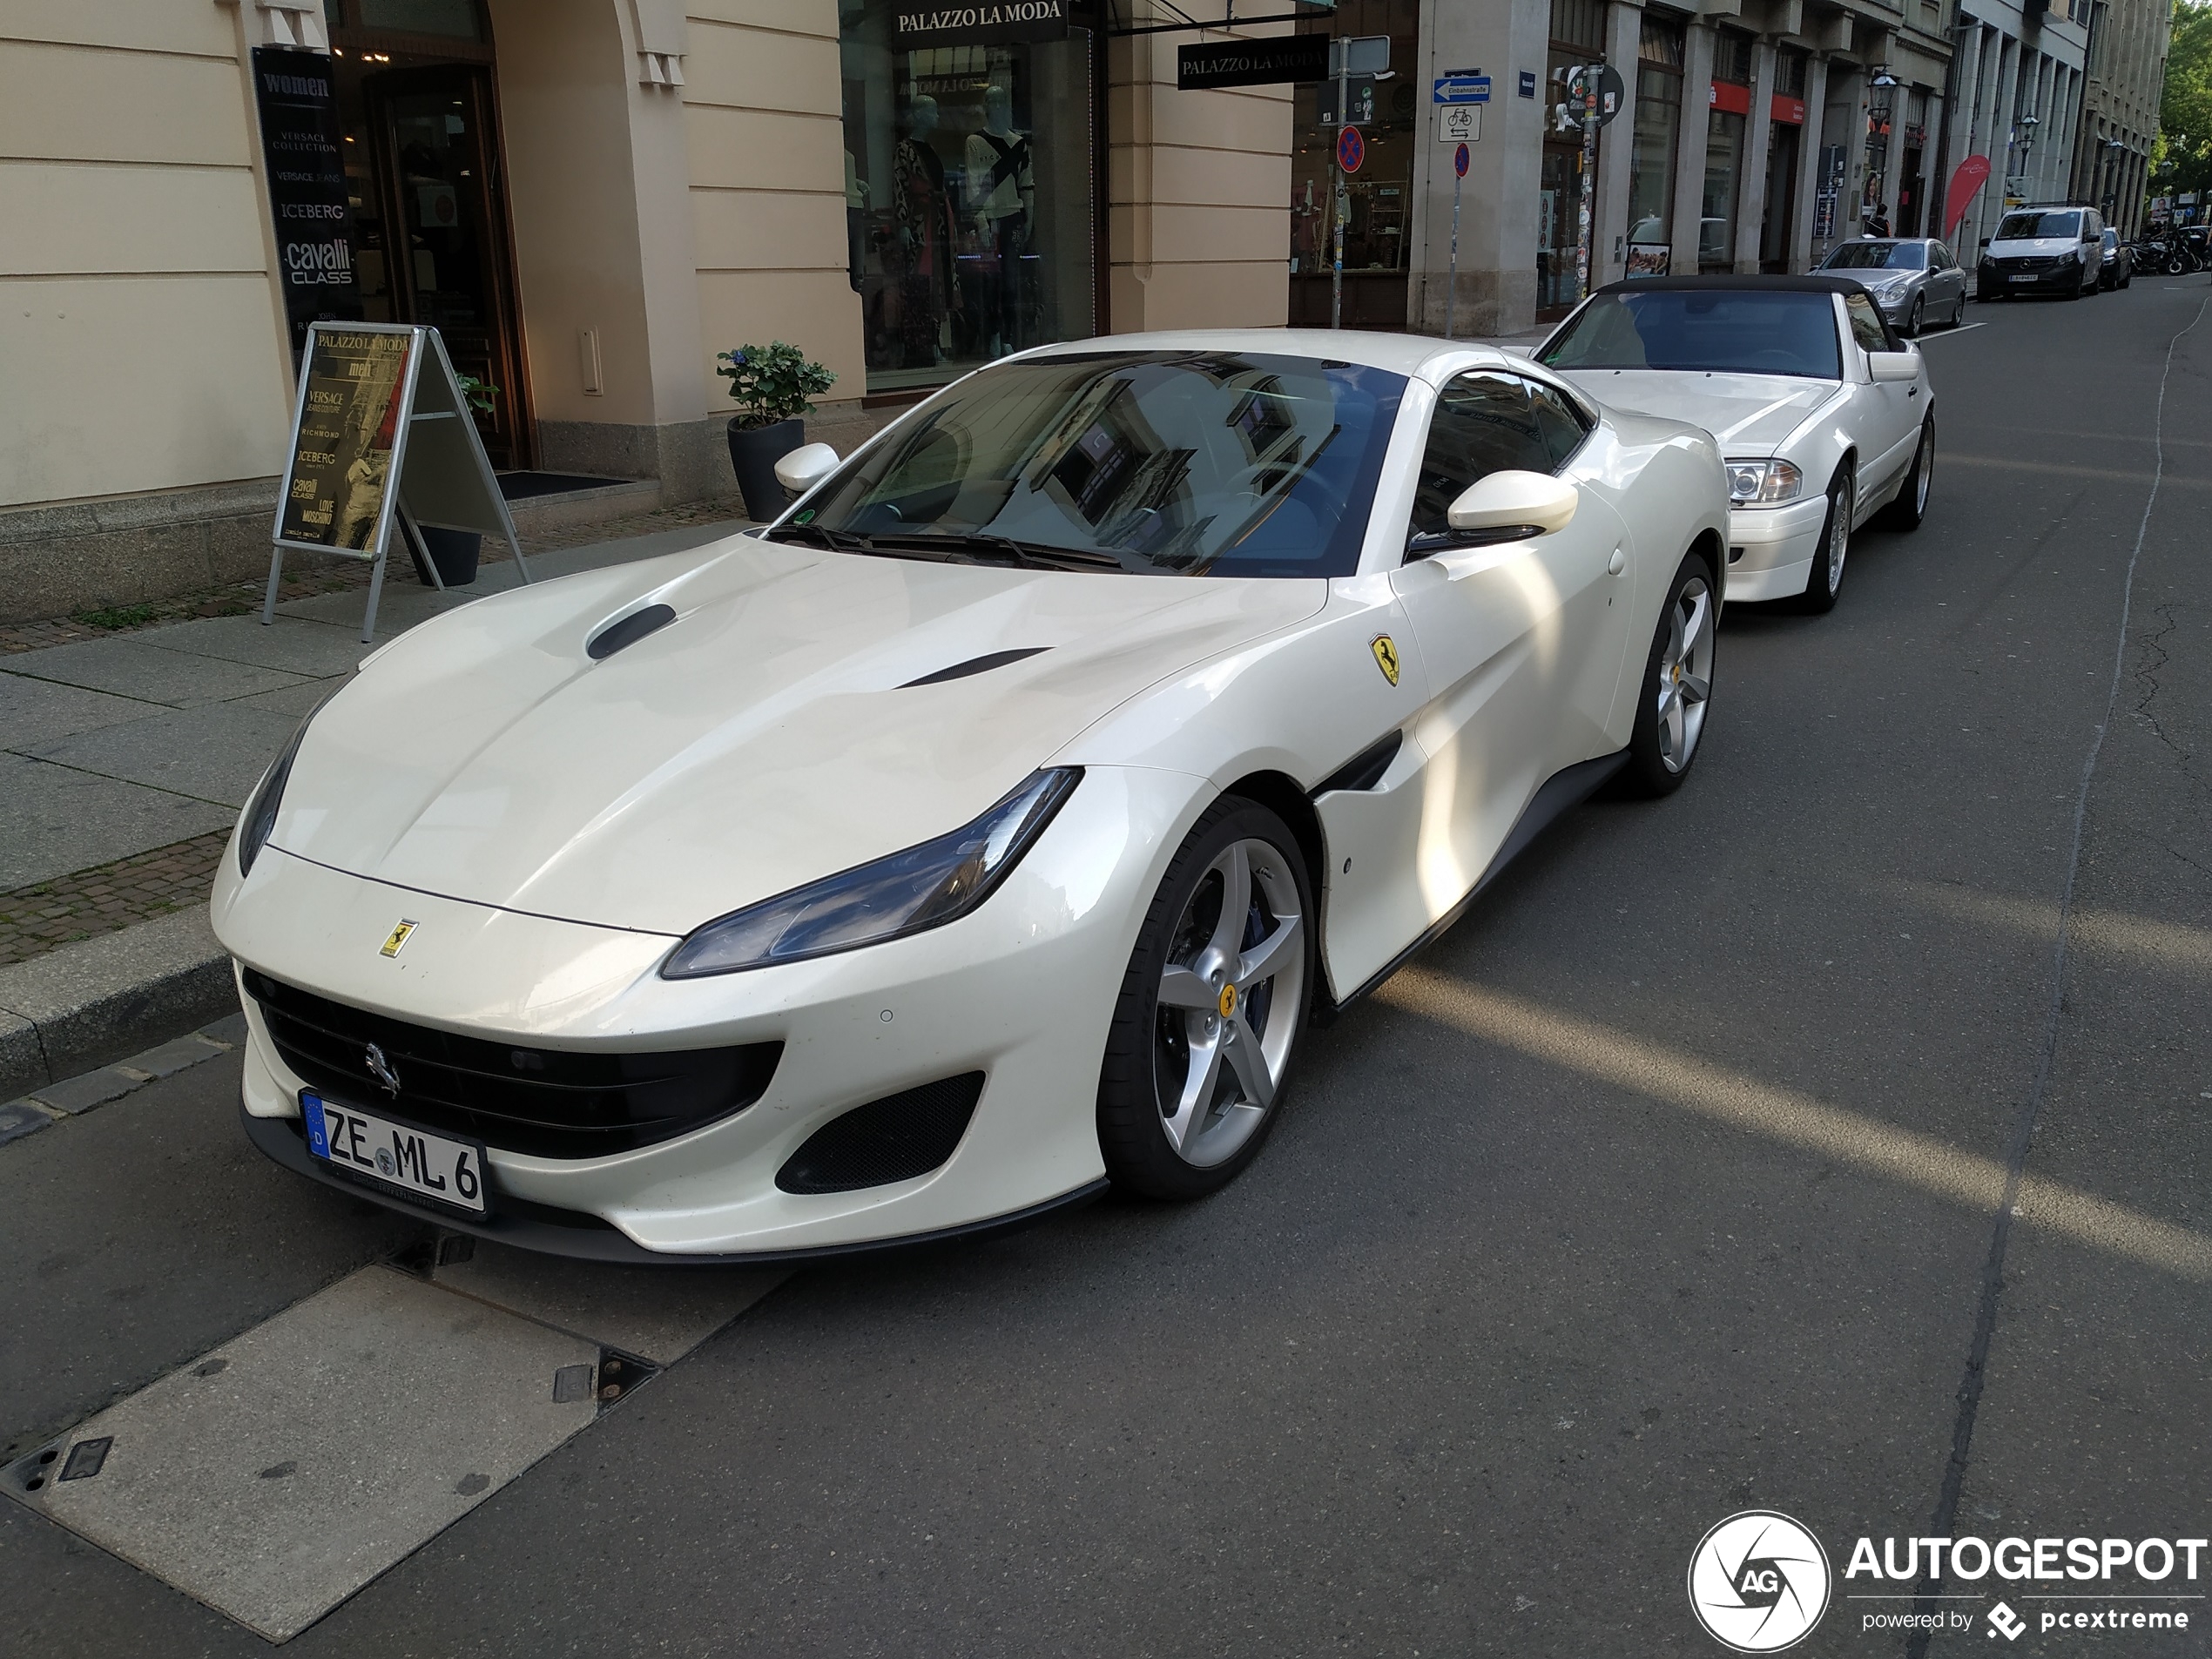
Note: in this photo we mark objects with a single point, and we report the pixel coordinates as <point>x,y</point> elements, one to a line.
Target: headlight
<point>1762,483</point>
<point>924,886</point>
<point>261,811</point>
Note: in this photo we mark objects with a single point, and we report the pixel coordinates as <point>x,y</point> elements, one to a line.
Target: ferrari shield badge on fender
<point>1385,656</point>
<point>399,937</point>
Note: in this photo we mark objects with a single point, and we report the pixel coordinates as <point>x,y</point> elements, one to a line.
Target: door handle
<point>1617,563</point>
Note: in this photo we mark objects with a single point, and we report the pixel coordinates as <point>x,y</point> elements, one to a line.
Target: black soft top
<point>1772,284</point>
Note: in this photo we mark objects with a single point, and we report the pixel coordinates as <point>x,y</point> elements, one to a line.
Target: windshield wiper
<point>822,535</point>
<point>1035,556</point>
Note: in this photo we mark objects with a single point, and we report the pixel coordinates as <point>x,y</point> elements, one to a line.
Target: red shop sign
<point>1731,98</point>
<point>1789,110</point>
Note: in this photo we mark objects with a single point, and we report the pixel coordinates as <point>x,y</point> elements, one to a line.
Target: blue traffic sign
<point>1461,89</point>
<point>1460,163</point>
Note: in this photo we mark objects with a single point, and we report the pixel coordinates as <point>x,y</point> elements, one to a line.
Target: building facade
<point>1751,136</point>
<point>2119,120</point>
<point>2017,91</point>
<point>589,198</point>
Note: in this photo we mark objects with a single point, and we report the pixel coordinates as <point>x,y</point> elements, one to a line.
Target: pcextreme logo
<point>1759,1581</point>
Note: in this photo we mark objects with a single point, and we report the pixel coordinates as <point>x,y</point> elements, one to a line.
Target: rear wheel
<point>1210,1009</point>
<point>1677,684</point>
<point>1827,577</point>
<point>1912,503</point>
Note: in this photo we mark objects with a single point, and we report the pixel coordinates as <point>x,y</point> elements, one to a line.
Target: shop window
<point>1732,58</point>
<point>1379,197</point>
<point>1790,73</point>
<point>970,197</point>
<point>1723,176</point>
<point>1652,146</point>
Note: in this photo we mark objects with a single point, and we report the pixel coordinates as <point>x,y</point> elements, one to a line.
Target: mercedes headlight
<point>1762,483</point>
<point>924,886</point>
<point>261,811</point>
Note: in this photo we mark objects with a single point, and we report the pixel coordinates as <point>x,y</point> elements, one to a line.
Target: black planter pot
<point>754,452</point>
<point>453,551</point>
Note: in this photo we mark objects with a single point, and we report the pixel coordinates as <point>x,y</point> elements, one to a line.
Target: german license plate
<point>413,1160</point>
<point>2021,279</point>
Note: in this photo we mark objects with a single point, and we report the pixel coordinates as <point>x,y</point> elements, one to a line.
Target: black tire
<point>1151,1047</point>
<point>1693,607</point>
<point>1826,579</point>
<point>1912,318</point>
<point>1912,503</point>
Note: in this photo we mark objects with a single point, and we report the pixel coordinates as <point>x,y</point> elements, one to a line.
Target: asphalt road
<point>1769,1146</point>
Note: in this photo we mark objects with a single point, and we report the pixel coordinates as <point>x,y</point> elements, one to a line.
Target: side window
<point>1562,422</point>
<point>1866,326</point>
<point>1484,422</point>
<point>1943,260</point>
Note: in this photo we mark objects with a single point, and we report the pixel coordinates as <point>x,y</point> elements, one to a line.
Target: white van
<point>2044,250</point>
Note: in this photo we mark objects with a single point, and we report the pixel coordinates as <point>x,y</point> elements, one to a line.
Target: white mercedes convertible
<point>1824,416</point>
<point>991,828</point>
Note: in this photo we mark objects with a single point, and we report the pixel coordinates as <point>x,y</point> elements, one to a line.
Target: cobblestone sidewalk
<point>35,919</point>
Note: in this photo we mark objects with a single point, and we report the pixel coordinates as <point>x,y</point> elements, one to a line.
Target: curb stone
<point>52,1102</point>
<point>88,1005</point>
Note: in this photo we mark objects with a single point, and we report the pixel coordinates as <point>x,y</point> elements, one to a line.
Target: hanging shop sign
<point>380,437</point>
<point>991,23</point>
<point>1286,59</point>
<point>301,150</point>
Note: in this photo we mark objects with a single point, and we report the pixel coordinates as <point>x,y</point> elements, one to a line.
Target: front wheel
<point>1677,683</point>
<point>1210,1009</point>
<point>1912,320</point>
<point>1912,503</point>
<point>1827,577</point>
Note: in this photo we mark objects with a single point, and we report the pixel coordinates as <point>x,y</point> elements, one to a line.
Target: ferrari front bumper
<point>1021,990</point>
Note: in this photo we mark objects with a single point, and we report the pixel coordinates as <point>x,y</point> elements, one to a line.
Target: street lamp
<point>2022,139</point>
<point>2111,171</point>
<point>1879,107</point>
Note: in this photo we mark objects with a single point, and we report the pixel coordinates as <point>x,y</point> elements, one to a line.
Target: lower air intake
<point>893,1139</point>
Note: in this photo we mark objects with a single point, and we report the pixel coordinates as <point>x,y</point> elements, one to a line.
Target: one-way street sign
<point>1461,89</point>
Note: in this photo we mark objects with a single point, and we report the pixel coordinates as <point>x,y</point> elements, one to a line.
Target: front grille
<point>2023,267</point>
<point>893,1139</point>
<point>548,1102</point>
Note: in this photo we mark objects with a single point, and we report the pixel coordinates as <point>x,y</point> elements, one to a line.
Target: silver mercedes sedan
<point>1915,280</point>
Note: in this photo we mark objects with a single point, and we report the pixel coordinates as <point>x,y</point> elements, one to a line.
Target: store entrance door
<point>436,176</point>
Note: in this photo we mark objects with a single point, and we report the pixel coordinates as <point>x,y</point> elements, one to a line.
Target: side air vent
<point>893,1139</point>
<point>631,628</point>
<point>1364,770</point>
<point>975,666</point>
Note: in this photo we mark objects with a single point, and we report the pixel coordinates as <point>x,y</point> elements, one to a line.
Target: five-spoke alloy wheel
<point>1678,683</point>
<point>1211,1008</point>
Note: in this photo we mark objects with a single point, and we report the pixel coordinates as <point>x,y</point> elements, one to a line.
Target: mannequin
<point>926,228</point>
<point>1001,192</point>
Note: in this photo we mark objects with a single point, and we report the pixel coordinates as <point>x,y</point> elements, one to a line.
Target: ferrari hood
<point>1750,414</point>
<point>803,713</point>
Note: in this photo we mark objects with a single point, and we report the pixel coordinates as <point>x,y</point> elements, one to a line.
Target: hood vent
<point>628,631</point>
<point>974,665</point>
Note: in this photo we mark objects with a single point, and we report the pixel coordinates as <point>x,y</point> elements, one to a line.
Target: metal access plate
<point>276,1476</point>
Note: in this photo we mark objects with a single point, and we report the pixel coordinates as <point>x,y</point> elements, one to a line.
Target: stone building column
<point>1758,136</point>
<point>1609,232</point>
<point>1689,148</point>
<point>1809,164</point>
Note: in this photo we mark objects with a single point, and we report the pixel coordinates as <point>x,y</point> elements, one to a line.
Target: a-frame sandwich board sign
<point>381,439</point>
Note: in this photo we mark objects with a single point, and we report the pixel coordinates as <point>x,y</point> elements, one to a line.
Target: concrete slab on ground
<point>131,667</point>
<point>294,645</point>
<point>277,1475</point>
<point>57,818</point>
<point>215,752</point>
<point>657,1314</point>
<point>297,702</point>
<point>34,711</point>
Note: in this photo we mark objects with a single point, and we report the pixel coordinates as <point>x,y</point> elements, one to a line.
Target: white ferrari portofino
<point>988,828</point>
<point>1826,417</point>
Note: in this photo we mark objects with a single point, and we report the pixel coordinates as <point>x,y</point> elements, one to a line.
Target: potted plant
<point>455,552</point>
<point>771,385</point>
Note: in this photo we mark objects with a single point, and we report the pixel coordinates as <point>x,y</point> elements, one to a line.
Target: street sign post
<point>1595,95</point>
<point>1459,89</point>
<point>1452,279</point>
<point>1458,123</point>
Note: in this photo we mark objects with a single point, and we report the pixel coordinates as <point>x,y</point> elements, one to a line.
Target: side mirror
<point>1893,365</point>
<point>804,466</point>
<point>1508,506</point>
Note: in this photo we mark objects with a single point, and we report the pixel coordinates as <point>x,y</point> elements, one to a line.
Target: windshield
<point>1724,331</point>
<point>1877,256</point>
<point>1192,463</point>
<point>2025,227</point>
